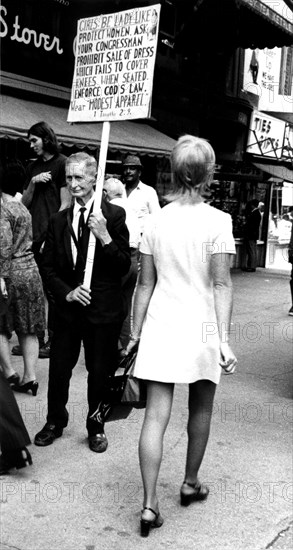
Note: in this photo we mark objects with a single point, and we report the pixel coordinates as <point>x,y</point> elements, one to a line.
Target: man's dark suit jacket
<point>251,228</point>
<point>111,262</point>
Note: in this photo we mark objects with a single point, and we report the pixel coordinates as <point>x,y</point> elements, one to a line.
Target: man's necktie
<point>82,242</point>
<point>81,226</point>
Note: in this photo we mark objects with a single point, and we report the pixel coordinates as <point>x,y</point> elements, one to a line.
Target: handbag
<point>134,392</point>
<point>124,391</point>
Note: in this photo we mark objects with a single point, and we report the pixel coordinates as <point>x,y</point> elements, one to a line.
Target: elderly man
<point>115,193</point>
<point>93,316</point>
<point>142,198</point>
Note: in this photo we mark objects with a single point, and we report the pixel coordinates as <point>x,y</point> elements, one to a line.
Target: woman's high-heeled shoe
<point>13,380</point>
<point>146,524</point>
<point>22,458</point>
<point>18,458</point>
<point>29,386</point>
<point>200,492</point>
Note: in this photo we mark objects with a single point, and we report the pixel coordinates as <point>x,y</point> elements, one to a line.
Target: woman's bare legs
<point>5,357</point>
<point>201,398</point>
<point>29,344</point>
<point>157,415</point>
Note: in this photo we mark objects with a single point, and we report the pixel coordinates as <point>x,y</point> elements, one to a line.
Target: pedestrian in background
<point>182,314</point>
<point>261,207</point>
<point>251,234</point>
<point>142,198</point>
<point>44,194</point>
<point>90,315</point>
<point>25,312</point>
<point>114,192</point>
<point>13,434</point>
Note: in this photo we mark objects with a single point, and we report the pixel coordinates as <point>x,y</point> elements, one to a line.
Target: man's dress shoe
<point>47,435</point>
<point>98,443</point>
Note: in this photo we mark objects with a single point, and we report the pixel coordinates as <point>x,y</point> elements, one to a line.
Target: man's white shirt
<point>143,200</point>
<point>131,221</point>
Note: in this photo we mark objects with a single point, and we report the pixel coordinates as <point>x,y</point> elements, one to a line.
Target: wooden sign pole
<point>97,201</point>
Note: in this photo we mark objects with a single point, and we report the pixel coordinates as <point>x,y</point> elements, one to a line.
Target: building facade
<point>207,58</point>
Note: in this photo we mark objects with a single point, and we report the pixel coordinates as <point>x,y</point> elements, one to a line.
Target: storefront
<point>270,149</point>
<point>18,115</point>
<point>279,229</point>
<point>266,174</point>
<point>227,106</point>
<point>36,77</point>
<point>235,185</point>
<point>197,89</point>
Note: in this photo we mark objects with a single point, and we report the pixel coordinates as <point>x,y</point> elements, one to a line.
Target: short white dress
<point>179,339</point>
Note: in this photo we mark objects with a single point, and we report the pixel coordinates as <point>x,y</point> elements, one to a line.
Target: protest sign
<point>113,80</point>
<point>114,66</point>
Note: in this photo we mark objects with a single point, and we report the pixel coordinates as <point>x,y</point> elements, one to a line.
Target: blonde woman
<point>182,313</point>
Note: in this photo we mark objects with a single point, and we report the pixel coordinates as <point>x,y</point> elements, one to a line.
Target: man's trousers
<point>100,343</point>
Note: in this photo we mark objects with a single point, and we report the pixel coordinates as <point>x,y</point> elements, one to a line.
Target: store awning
<point>268,14</point>
<point>18,115</point>
<point>233,24</point>
<point>260,26</point>
<point>280,172</point>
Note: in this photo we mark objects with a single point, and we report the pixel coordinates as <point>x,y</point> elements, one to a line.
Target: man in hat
<point>142,198</point>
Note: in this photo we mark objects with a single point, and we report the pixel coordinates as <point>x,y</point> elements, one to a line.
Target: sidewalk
<point>73,499</point>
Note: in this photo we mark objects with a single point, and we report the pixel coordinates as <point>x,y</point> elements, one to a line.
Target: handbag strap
<point>128,360</point>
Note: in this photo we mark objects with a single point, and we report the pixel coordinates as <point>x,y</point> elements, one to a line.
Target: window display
<point>233,196</point>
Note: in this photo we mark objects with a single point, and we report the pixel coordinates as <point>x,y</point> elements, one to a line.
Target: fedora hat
<point>132,160</point>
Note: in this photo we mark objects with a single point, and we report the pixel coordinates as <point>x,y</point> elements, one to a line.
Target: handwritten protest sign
<point>113,80</point>
<point>114,66</point>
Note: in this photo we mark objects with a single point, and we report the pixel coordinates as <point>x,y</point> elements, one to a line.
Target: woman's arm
<point>28,193</point>
<point>145,287</point>
<point>223,296</point>
<point>6,242</point>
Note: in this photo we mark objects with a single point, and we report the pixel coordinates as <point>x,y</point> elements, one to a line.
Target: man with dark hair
<point>93,316</point>
<point>251,234</point>
<point>45,191</point>
<point>142,198</point>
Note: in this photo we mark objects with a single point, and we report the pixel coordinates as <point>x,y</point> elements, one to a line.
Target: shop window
<point>226,196</point>
<point>233,196</point>
<point>280,217</point>
<point>279,226</point>
<point>163,182</point>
